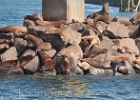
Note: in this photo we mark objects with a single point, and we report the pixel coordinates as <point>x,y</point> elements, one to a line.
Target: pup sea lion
<point>124,49</point>
<point>92,40</point>
<point>2,41</point>
<point>51,23</point>
<point>17,30</point>
<point>46,61</point>
<point>38,42</point>
<point>55,31</point>
<point>97,64</point>
<point>34,17</point>
<point>105,11</point>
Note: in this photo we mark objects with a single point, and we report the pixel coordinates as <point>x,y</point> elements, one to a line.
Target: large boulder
<point>116,30</point>
<point>10,54</point>
<point>133,31</point>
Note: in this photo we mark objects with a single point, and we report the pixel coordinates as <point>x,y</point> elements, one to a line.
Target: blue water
<point>31,87</point>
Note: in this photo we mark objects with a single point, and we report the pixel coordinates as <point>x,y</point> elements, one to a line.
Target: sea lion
<point>94,52</point>
<point>2,41</point>
<point>136,18</point>
<point>23,60</point>
<point>136,61</point>
<point>9,63</point>
<point>119,59</point>
<point>97,64</point>
<point>34,17</point>
<point>124,49</point>
<point>55,31</point>
<point>17,30</point>
<point>103,18</point>
<point>51,23</point>
<point>4,46</point>
<point>126,23</point>
<point>38,42</point>
<point>90,40</point>
<point>105,11</point>
<point>46,61</point>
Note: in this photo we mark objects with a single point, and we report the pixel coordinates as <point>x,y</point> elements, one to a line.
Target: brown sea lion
<point>55,31</point>
<point>51,23</point>
<point>2,41</point>
<point>22,61</point>
<point>124,49</point>
<point>90,40</point>
<point>103,18</point>
<point>97,64</point>
<point>4,46</point>
<point>46,61</point>
<point>17,30</point>
<point>126,23</point>
<point>9,63</point>
<point>34,17</point>
<point>38,42</point>
<point>94,53</point>
<point>105,11</point>
<point>136,61</point>
<point>136,18</point>
<point>119,59</point>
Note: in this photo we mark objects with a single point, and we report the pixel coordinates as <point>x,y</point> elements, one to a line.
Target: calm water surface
<point>31,87</point>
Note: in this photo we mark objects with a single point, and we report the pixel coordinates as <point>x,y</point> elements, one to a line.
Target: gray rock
<point>28,23</point>
<point>10,54</point>
<point>116,30</point>
<point>32,66</point>
<point>51,52</point>
<point>133,31</point>
<point>101,26</point>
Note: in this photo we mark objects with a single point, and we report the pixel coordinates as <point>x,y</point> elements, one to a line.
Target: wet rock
<point>116,30</point>
<point>32,66</point>
<point>10,54</point>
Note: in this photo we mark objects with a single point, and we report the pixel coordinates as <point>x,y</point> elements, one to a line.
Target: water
<point>31,87</point>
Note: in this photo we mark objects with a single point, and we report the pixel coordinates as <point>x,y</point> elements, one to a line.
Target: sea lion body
<point>124,22</point>
<point>136,61</point>
<point>34,17</point>
<point>124,49</point>
<point>55,31</point>
<point>136,18</point>
<point>119,59</point>
<point>93,40</point>
<point>46,61</point>
<point>51,23</point>
<point>104,18</point>
<point>2,41</point>
<point>105,11</point>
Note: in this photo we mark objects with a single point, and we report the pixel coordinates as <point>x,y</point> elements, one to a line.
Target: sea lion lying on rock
<point>38,42</point>
<point>51,23</point>
<point>124,49</point>
<point>105,11</point>
<point>19,31</point>
<point>2,41</point>
<point>90,41</point>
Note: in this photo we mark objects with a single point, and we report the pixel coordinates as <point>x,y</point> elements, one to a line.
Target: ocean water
<point>30,87</point>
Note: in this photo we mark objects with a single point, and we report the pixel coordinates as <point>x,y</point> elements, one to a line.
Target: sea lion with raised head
<point>90,40</point>
<point>105,11</point>
<point>46,61</point>
<point>34,17</point>
<point>51,23</point>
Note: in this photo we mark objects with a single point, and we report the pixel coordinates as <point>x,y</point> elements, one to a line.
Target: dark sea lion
<point>34,17</point>
<point>97,64</point>
<point>38,42</point>
<point>51,23</point>
<point>17,30</point>
<point>55,31</point>
<point>105,11</point>
<point>90,40</point>
<point>46,61</point>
